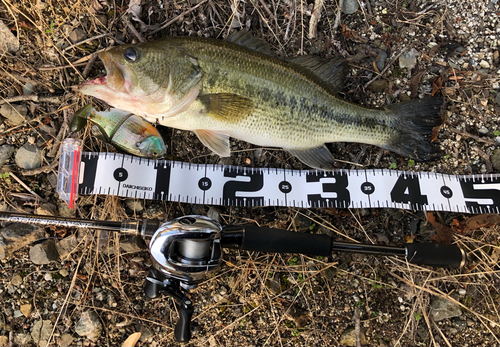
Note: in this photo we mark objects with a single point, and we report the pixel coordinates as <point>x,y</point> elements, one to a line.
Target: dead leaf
<point>132,340</point>
<point>415,81</point>
<point>409,238</point>
<point>444,234</point>
<point>475,222</point>
<point>382,238</point>
<point>436,86</point>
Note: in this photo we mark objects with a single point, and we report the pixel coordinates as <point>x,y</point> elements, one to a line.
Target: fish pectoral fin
<point>333,71</point>
<point>226,106</point>
<point>218,143</point>
<point>318,158</point>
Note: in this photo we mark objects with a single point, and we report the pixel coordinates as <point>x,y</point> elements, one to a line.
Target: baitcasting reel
<point>186,249</point>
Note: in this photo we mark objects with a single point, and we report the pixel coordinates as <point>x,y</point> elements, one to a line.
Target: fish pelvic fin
<point>218,143</point>
<point>417,122</point>
<point>318,158</point>
<point>226,107</point>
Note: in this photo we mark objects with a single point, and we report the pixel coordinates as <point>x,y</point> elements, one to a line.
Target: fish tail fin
<point>415,121</point>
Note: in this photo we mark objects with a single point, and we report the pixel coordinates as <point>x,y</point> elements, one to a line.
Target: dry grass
<point>267,299</point>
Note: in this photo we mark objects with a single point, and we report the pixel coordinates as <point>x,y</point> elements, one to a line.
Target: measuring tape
<point>134,177</point>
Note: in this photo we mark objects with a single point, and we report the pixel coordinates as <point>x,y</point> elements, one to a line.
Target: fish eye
<point>131,55</point>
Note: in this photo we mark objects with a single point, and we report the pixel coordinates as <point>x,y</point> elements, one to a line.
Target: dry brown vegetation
<point>259,299</point>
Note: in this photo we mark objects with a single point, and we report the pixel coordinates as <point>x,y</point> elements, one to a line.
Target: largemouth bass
<point>124,130</point>
<point>238,88</point>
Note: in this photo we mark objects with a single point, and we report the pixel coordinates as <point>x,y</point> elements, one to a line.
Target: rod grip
<point>434,254</point>
<point>271,240</point>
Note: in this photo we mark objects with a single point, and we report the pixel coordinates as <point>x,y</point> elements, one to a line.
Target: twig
<point>486,158</point>
<point>357,326</point>
<point>60,136</point>
<point>49,68</point>
<point>41,169</point>
<point>18,77</point>
<point>266,8</point>
<point>31,97</point>
<point>337,18</point>
<point>384,70</point>
<point>315,16</point>
<point>89,65</point>
<point>86,40</point>
<point>132,28</point>
<point>11,174</point>
<point>477,138</point>
<point>176,18</point>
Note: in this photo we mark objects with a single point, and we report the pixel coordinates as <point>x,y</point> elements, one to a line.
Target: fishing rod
<point>184,250</point>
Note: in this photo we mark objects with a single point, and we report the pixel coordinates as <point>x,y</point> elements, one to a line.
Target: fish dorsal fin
<point>226,106</point>
<point>246,39</point>
<point>332,71</point>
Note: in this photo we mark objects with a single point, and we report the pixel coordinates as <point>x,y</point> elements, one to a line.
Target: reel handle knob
<point>182,331</point>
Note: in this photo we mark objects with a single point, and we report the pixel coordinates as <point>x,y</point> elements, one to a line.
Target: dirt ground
<point>256,299</point>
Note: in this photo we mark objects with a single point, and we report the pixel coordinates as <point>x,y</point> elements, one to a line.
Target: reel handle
<point>182,331</point>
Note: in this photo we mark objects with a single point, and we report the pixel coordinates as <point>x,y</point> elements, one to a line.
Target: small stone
<point>378,86</point>
<point>16,114</point>
<point>66,340</point>
<point>89,325</point>
<point>462,291</point>
<point>8,41</point>
<point>47,209</point>
<point>102,19</point>
<point>496,55</point>
<point>6,152</point>
<point>18,313</point>
<point>495,159</point>
<point>64,272</point>
<point>484,64</point>
<point>348,337</point>
<point>22,339</point>
<point>29,157</point>
<point>66,245</point>
<point>497,98</point>
<point>26,310</point>
<point>214,214</point>
<point>64,210</point>
<point>131,244</point>
<point>18,235</point>
<point>482,131</point>
<point>381,58</point>
<point>16,280</point>
<point>408,59</point>
<point>134,205</point>
<point>41,332</point>
<point>350,6</point>
<point>44,253</point>
<point>442,309</point>
<point>77,35</point>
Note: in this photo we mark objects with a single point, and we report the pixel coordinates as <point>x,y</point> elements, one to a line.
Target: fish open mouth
<point>118,78</point>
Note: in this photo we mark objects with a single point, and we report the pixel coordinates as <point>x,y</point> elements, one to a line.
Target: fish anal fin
<point>226,106</point>
<point>332,71</point>
<point>318,158</point>
<point>246,39</point>
<point>218,143</point>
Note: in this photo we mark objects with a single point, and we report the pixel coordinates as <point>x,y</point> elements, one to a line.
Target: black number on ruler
<point>230,189</point>
<point>477,193</point>
<point>162,183</point>
<point>407,191</point>
<point>343,198</point>
<point>90,170</point>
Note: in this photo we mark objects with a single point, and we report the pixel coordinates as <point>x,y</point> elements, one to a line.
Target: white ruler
<point>128,176</point>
